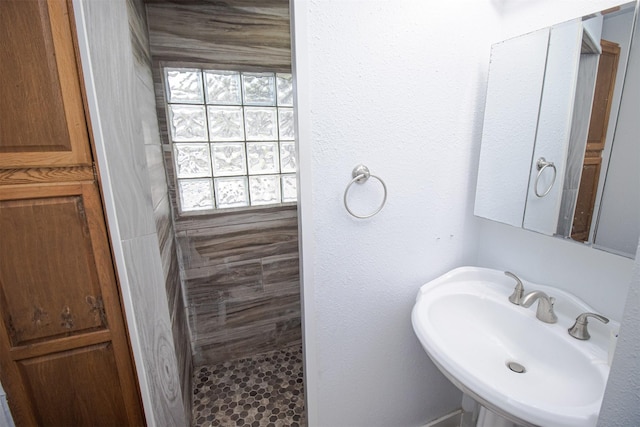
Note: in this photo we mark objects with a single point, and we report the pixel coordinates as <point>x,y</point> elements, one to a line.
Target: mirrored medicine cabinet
<point>560,151</point>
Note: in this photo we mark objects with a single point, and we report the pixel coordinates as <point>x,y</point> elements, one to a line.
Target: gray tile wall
<point>239,269</point>
<point>242,283</point>
<point>126,122</point>
<point>232,34</point>
<point>145,98</point>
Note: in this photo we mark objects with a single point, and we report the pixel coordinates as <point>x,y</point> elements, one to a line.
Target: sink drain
<point>516,367</point>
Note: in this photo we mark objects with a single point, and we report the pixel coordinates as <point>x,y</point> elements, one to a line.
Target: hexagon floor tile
<point>265,390</point>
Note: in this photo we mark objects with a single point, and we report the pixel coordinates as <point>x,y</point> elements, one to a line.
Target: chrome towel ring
<point>542,164</point>
<point>360,175</point>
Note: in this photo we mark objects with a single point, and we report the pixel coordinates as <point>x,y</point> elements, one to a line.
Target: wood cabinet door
<point>586,201</point>
<point>603,95</point>
<point>64,355</point>
<point>42,120</point>
<point>596,139</point>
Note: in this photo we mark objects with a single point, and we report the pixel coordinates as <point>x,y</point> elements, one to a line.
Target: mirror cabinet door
<point>516,76</point>
<point>562,125</point>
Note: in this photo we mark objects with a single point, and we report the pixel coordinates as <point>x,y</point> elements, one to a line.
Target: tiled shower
<point>239,292</point>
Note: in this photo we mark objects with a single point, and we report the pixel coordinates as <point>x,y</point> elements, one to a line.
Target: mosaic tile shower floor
<point>260,391</point>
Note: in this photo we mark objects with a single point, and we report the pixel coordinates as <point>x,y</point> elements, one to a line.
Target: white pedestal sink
<point>480,341</point>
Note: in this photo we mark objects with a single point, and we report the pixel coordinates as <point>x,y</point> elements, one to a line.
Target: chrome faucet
<point>545,305</point>
<point>516,296</point>
<point>579,329</point>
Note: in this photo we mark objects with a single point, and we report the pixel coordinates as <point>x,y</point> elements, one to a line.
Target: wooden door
<point>64,352</point>
<point>597,136</point>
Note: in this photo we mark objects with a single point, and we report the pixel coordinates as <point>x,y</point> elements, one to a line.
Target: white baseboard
<point>453,419</point>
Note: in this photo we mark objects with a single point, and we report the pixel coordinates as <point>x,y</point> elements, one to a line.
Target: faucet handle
<point>518,292</point>
<point>579,329</point>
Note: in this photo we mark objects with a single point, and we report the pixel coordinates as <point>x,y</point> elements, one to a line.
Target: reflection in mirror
<point>582,150</point>
<point>555,94</point>
<point>617,227</point>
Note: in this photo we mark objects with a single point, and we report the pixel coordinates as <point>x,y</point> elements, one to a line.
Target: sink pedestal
<point>488,418</point>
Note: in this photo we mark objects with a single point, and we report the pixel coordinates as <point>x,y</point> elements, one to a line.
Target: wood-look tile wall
<point>124,120</point>
<point>229,34</point>
<point>239,268</point>
<point>161,204</point>
<point>242,282</point>
<point>145,101</point>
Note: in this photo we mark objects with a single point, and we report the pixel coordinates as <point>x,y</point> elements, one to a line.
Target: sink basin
<point>481,342</point>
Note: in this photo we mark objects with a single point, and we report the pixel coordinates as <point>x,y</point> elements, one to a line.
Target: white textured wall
<point>398,86</point>
<point>621,407</point>
<point>601,279</point>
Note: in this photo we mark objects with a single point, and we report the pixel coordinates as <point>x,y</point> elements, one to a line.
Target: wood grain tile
<point>280,273</point>
<point>239,326</point>
<point>138,30</point>
<point>222,33</point>
<point>115,85</point>
<point>173,286</point>
<point>124,88</point>
<point>158,87</point>
<point>164,225</point>
<point>224,348</point>
<point>235,280</point>
<point>235,343</point>
<point>181,333</point>
<point>289,332</point>
<point>245,311</point>
<point>241,315</point>
<point>215,245</point>
<point>152,319</point>
<point>157,176</point>
<point>238,216</point>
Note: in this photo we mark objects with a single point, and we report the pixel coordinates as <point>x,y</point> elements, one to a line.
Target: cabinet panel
<point>63,346</point>
<point>603,96</point>
<point>65,373</point>
<point>56,289</point>
<point>42,120</point>
<point>586,197</point>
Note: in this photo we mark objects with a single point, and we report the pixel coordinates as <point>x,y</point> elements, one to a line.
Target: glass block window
<point>233,137</point>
